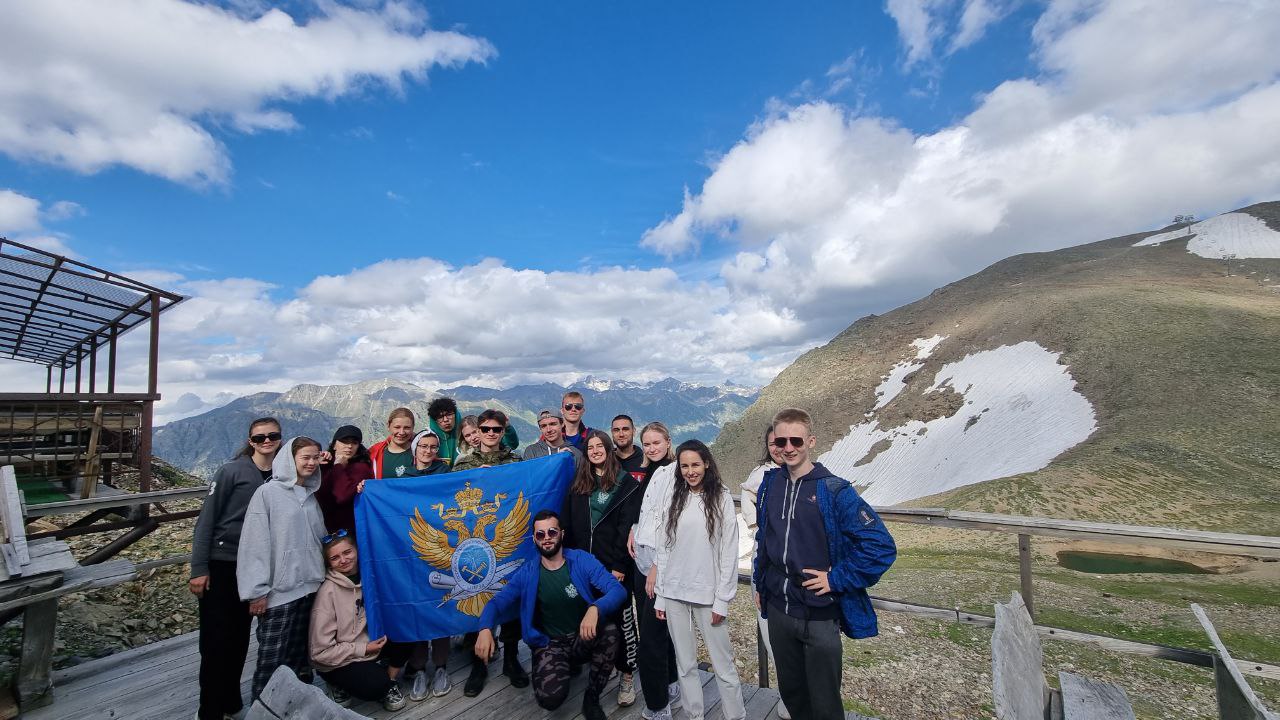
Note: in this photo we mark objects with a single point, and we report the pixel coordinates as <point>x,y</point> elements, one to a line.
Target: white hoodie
<point>280,554</point>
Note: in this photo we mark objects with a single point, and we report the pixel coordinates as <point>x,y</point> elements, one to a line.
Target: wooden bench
<point>1017,677</point>
<point>33,575</point>
<point>1236,700</point>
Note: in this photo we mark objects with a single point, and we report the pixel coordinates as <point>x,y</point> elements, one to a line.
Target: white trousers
<point>681,618</point>
<point>768,647</point>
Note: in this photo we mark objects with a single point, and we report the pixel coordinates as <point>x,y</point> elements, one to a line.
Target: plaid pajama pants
<point>282,640</point>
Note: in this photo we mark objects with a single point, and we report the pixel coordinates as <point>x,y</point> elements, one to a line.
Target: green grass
<point>1263,648</point>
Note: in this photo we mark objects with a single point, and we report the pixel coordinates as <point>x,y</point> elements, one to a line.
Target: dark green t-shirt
<point>396,464</point>
<point>560,607</point>
<point>600,501</point>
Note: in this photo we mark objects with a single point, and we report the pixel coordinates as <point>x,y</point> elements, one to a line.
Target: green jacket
<point>501,456</point>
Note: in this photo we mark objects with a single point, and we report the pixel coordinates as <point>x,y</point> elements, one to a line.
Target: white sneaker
<point>418,691</point>
<point>440,685</point>
<point>663,714</point>
<point>673,695</point>
<point>626,691</point>
<point>393,700</point>
<point>783,712</point>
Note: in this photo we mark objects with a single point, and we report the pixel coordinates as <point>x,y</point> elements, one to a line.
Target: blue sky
<point>495,193</point>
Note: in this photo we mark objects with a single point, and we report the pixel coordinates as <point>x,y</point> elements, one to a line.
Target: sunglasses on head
<point>490,428</point>
<point>549,533</point>
<point>334,537</point>
<point>573,406</point>
<point>781,442</point>
<point>264,437</point>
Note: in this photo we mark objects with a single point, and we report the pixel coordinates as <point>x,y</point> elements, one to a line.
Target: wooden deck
<point>159,681</point>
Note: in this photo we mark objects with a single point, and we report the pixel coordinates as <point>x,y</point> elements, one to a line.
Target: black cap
<point>348,431</point>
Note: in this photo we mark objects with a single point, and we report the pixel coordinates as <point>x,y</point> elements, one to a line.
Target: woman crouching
<point>340,646</point>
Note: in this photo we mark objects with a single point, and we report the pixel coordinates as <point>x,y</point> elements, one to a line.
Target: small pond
<point>1111,564</point>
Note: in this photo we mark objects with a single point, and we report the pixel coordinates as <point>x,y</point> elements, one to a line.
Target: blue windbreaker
<point>860,546</point>
<point>595,584</point>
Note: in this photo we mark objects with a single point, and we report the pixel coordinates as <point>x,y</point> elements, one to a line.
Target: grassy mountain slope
<point>1180,361</point>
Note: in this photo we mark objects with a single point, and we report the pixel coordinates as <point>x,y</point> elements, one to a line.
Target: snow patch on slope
<point>1021,410</point>
<point>1239,234</point>
<point>894,383</point>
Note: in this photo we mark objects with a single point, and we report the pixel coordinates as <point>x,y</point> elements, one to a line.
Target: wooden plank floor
<point>159,681</point>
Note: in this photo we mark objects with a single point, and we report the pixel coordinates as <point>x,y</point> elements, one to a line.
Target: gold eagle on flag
<point>473,569</point>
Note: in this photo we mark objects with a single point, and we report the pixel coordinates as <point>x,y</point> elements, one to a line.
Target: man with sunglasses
<point>493,424</point>
<point>563,603</point>
<point>575,431</point>
<point>819,547</point>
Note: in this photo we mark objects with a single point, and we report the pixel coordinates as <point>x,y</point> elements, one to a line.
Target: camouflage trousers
<point>551,665</point>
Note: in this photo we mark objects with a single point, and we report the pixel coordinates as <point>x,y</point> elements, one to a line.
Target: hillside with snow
<point>1135,379</point>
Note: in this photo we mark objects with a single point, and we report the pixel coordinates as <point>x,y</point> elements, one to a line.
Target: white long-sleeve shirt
<point>653,515</point>
<point>696,569</point>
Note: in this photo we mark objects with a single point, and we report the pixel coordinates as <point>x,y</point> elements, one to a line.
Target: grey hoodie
<point>280,555</point>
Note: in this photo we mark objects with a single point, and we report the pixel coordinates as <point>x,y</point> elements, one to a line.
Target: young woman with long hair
<point>224,617</point>
<point>655,655</point>
<point>392,457</point>
<point>279,566</point>
<point>698,577</point>
<point>771,459</point>
<point>468,436</point>
<point>349,464</point>
<point>603,503</point>
<point>338,638</point>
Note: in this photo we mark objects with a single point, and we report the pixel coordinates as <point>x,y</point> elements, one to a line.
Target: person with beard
<point>563,603</point>
<point>623,430</point>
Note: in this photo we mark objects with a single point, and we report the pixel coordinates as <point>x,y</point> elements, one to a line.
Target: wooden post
<point>33,682</point>
<point>93,457</point>
<point>1024,572</point>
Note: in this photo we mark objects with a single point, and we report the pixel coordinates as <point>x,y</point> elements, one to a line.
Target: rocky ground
<point>918,667</point>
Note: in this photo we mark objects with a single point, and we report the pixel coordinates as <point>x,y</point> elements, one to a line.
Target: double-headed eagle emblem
<point>472,571</point>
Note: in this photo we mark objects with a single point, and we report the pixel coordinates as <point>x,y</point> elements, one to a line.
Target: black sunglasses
<point>490,429</point>
<point>573,406</point>
<point>334,537</point>
<point>552,533</point>
<point>781,442</point>
<point>264,437</point>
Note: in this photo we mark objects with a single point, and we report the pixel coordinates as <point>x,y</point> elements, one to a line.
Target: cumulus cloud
<point>22,219</point>
<point>832,210</point>
<point>146,94</point>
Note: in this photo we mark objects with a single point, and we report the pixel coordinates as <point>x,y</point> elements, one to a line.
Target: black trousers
<point>655,656</point>
<point>366,680</point>
<point>508,634</point>
<point>808,657</point>
<point>224,642</point>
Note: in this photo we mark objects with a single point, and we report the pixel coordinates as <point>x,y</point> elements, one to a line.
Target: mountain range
<point>201,443</point>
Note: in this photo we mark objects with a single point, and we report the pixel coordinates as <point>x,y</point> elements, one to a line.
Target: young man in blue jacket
<point>561,602</point>
<point>819,547</point>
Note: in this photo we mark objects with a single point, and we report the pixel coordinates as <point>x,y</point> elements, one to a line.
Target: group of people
<point>640,558</point>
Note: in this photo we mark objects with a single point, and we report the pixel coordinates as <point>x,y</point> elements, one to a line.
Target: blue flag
<point>434,549</point>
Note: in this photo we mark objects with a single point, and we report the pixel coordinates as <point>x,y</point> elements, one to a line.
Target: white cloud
<point>21,220</point>
<point>140,82</point>
<point>922,24</point>
<point>18,213</point>
<point>836,214</point>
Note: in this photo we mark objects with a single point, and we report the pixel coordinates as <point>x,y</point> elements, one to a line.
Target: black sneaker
<point>475,681</point>
<point>393,700</point>
<point>514,671</point>
<point>591,709</point>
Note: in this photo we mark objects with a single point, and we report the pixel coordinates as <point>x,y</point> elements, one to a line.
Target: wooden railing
<point>1257,546</point>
